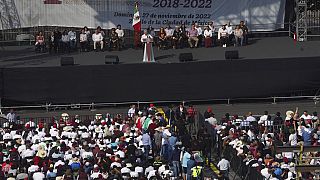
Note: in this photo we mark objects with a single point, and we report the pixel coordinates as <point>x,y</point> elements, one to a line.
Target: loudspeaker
<point>231,55</point>
<point>111,59</point>
<point>184,57</point>
<point>67,61</point>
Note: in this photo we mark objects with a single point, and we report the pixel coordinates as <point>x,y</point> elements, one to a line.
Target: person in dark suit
<point>181,112</point>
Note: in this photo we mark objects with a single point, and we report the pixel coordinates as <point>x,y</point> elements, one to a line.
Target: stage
<point>267,67</point>
<point>259,48</point>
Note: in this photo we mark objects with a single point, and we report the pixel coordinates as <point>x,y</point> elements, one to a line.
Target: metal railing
<point>93,105</point>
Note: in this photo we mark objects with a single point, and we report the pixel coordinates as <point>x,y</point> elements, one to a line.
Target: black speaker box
<point>111,59</point>
<point>67,61</point>
<point>184,57</point>
<point>231,55</point>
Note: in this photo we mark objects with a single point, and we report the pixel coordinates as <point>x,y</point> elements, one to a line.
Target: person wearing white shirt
<point>72,39</point>
<point>293,140</point>
<point>120,33</point>
<point>224,166</point>
<point>200,33</point>
<point>11,116</point>
<point>207,37</point>
<point>132,111</point>
<point>83,41</point>
<point>230,32</point>
<point>223,36</point>
<point>305,116</point>
<point>250,118</point>
<point>38,176</point>
<point>97,38</point>
<point>169,33</point>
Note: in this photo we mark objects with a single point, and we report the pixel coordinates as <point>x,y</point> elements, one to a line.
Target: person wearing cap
<point>306,134</point>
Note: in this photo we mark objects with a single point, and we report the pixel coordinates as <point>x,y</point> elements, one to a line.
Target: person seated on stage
<point>207,37</point>
<point>245,32</point>
<point>162,39</point>
<point>200,35</point>
<point>65,42</point>
<point>184,36</point>
<point>83,41</point>
<point>120,33</point>
<point>57,40</point>
<point>223,35</point>
<point>103,34</point>
<point>97,39</point>
<point>238,35</point>
<point>169,34</point>
<point>176,38</point>
<point>40,43</point>
<point>212,28</point>
<point>230,33</point>
<point>51,42</point>
<point>193,37</point>
<point>72,39</point>
<point>114,39</point>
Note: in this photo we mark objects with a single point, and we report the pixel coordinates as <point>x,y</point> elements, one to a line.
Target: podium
<point>148,55</point>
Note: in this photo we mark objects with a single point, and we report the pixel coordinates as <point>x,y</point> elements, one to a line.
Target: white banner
<point>258,14</point>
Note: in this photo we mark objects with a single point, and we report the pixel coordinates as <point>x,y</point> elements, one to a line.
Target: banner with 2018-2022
<point>261,15</point>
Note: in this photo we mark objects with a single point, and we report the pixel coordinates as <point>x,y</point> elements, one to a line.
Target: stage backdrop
<point>259,14</point>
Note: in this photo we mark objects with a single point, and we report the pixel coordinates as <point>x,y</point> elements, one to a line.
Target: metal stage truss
<point>307,20</point>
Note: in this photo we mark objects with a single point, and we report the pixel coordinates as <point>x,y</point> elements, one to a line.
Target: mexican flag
<point>136,23</point>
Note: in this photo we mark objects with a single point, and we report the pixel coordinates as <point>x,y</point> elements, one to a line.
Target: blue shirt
<point>172,141</point>
<point>186,157</point>
<point>146,140</point>
<point>306,134</point>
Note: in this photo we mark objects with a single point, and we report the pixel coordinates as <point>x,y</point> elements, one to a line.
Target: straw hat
<point>42,153</point>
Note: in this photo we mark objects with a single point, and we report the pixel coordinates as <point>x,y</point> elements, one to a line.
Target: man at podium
<point>147,40</point>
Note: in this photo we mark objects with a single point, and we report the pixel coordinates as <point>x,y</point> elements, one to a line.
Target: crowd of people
<point>256,141</point>
<point>68,41</point>
<point>197,36</point>
<point>153,143</point>
<point>179,37</point>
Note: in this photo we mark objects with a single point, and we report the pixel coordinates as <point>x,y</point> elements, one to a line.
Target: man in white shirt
<point>306,116</point>
<point>250,118</point>
<point>72,39</point>
<point>132,111</point>
<point>120,33</point>
<point>169,33</point>
<point>200,34</point>
<point>11,116</point>
<point>97,38</point>
<point>224,166</point>
<point>230,32</point>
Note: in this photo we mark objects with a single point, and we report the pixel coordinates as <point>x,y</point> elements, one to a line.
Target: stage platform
<point>263,48</point>
<point>267,67</point>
